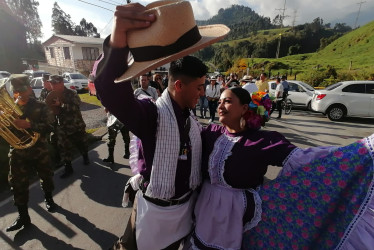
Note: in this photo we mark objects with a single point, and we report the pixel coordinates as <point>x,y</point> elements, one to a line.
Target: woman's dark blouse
<point>251,155</point>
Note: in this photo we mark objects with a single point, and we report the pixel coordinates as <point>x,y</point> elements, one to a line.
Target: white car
<point>349,98</point>
<point>79,81</point>
<point>37,85</point>
<point>300,93</point>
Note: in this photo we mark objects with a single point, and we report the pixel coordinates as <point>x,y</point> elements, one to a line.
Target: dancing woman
<point>322,199</point>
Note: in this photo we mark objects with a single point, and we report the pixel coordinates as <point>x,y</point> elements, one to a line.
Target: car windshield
<point>307,86</point>
<point>334,86</point>
<point>38,74</point>
<point>77,76</point>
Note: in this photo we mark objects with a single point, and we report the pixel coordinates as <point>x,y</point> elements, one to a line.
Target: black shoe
<point>278,117</point>
<point>50,204</point>
<point>109,159</point>
<point>126,155</point>
<point>67,173</point>
<point>21,221</point>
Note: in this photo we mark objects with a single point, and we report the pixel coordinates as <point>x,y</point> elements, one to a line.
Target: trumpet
<point>9,112</point>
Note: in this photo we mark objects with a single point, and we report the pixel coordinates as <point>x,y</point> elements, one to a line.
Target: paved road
<point>90,215</point>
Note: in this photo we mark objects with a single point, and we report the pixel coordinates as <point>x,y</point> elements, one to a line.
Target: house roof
<point>76,39</point>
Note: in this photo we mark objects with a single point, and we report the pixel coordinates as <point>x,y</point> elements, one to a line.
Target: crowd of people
<point>203,187</point>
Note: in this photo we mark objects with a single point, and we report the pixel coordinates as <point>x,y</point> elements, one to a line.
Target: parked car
<point>78,80</point>
<point>37,85</point>
<point>91,85</point>
<point>300,93</point>
<point>33,74</point>
<point>349,98</point>
<point>4,74</point>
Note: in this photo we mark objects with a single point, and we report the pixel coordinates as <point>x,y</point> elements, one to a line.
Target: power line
<point>359,9</point>
<point>95,5</point>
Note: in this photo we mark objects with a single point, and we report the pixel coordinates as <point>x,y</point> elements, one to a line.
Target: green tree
<point>86,29</point>
<point>63,25</point>
<point>61,22</point>
<point>27,11</point>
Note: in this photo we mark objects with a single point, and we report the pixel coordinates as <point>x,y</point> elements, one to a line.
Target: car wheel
<point>336,112</point>
<point>309,106</point>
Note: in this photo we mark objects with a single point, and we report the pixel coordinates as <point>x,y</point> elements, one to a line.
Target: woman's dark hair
<point>242,94</point>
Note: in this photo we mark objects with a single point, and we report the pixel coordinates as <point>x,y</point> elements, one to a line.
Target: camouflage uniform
<point>52,137</point>
<point>23,160</point>
<point>71,127</point>
<point>43,94</point>
<point>40,119</point>
<point>112,135</point>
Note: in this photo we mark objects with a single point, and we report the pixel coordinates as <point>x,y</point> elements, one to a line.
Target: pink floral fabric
<point>318,205</point>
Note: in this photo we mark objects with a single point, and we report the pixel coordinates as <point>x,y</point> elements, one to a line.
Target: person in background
<point>71,128</point>
<point>203,101</point>
<point>262,84</point>
<point>114,125</point>
<point>285,86</point>
<point>157,84</point>
<point>46,87</point>
<point>36,117</point>
<point>233,81</point>
<point>249,85</point>
<point>212,93</point>
<point>277,103</point>
<point>145,89</point>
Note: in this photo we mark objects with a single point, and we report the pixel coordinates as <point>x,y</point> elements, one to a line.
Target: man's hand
<point>22,124</point>
<point>56,102</point>
<point>128,17</point>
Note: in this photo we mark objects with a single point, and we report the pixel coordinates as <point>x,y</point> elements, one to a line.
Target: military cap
<point>19,82</point>
<point>46,77</point>
<point>56,79</point>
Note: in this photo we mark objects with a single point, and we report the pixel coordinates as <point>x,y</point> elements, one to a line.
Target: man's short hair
<point>188,67</point>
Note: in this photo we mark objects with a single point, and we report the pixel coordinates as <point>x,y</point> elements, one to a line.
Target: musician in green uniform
<point>71,128</point>
<point>38,118</point>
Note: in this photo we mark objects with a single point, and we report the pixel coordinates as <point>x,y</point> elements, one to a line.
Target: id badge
<point>183,153</point>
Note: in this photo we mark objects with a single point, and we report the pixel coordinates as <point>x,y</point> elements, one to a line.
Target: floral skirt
<point>326,204</point>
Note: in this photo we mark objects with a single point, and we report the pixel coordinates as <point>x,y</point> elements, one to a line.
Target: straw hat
<point>173,35</point>
<point>246,78</point>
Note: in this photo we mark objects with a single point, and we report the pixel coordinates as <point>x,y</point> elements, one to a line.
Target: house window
<point>52,51</point>
<point>90,53</point>
<point>66,52</point>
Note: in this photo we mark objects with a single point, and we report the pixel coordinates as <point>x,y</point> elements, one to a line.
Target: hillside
<point>241,20</point>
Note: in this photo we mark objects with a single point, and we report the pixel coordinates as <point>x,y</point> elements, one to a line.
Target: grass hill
<point>348,57</point>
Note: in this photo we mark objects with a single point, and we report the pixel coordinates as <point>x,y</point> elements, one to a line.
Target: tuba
<point>9,111</point>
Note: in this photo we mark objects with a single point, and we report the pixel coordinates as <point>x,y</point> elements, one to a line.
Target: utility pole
<point>294,18</point>
<point>358,13</point>
<point>281,24</point>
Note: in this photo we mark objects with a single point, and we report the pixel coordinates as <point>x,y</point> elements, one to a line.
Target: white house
<point>71,53</point>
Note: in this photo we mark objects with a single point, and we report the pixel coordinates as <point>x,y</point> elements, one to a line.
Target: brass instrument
<point>51,99</point>
<point>9,111</point>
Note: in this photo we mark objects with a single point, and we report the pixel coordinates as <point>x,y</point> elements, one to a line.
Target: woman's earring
<point>242,122</point>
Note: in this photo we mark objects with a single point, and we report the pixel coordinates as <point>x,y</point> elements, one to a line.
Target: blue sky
<point>300,11</point>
